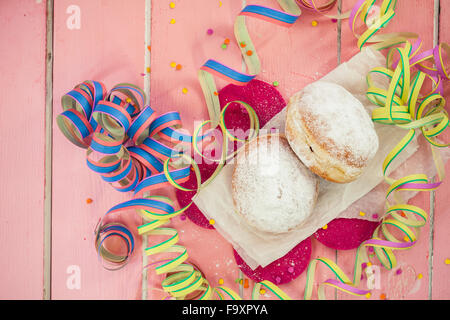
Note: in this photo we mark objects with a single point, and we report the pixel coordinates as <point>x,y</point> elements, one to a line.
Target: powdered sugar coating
<point>326,114</point>
<point>272,189</point>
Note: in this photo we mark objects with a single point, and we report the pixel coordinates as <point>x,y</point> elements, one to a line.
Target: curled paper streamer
<point>136,151</point>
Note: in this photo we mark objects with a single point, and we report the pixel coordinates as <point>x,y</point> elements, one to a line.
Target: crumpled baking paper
<point>334,200</point>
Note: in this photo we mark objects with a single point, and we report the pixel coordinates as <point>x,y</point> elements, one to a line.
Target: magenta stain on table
<point>283,270</point>
<point>346,234</point>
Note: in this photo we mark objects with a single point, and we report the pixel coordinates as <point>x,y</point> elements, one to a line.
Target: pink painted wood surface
<point>22,128</point>
<point>412,16</point>
<point>108,47</point>
<point>441,271</point>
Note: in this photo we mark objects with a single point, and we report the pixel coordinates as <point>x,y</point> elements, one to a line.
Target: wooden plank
<point>441,271</point>
<point>22,117</point>
<point>412,16</point>
<point>108,46</point>
<point>275,46</point>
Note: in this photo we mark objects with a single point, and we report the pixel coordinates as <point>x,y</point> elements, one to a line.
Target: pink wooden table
<point>46,225</point>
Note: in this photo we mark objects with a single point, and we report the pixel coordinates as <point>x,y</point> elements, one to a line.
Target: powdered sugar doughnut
<point>272,190</point>
<point>330,131</point>
<point>283,270</point>
<point>346,234</point>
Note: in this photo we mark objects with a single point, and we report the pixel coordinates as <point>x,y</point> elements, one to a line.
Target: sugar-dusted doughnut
<point>272,190</point>
<point>330,131</point>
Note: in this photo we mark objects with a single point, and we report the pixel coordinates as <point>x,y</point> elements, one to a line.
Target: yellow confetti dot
<point>325,227</point>
<point>314,23</point>
<point>212,221</point>
<point>220,3</point>
<point>172,21</point>
<point>148,69</point>
<point>369,264</point>
<point>362,214</point>
<point>406,239</point>
<point>172,5</point>
<point>184,90</point>
<point>368,295</point>
<point>173,64</point>
<point>447,261</point>
<point>220,281</point>
<point>262,291</point>
<point>128,100</point>
<point>241,281</point>
<point>419,276</point>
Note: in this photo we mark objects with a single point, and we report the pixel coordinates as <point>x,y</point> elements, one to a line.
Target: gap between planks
<point>147,62</point>
<point>436,14</point>
<point>47,276</point>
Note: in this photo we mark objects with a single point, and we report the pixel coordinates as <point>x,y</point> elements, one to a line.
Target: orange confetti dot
<point>220,281</point>
<point>89,200</point>
<point>227,41</point>
<point>249,52</point>
<point>179,67</point>
<point>402,214</point>
<point>382,296</point>
<point>242,44</point>
<point>216,93</point>
<point>149,48</point>
<point>246,283</point>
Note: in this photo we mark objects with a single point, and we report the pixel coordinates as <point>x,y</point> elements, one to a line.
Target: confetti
<point>220,4</point>
<point>362,214</point>
<point>149,69</point>
<point>419,276</point>
<point>178,67</point>
<point>173,64</point>
<point>399,271</point>
<point>382,296</point>
<point>262,291</point>
<point>242,44</point>
<point>226,41</point>
<point>334,20</point>
<point>290,270</point>
<point>246,284</point>
<point>447,261</point>
<point>172,5</point>
<point>249,52</point>
<point>375,216</point>
<point>209,31</point>
<point>183,217</point>
<point>216,93</point>
<point>89,200</point>
<point>149,48</point>
<point>368,295</point>
<point>212,221</point>
<point>325,227</point>
<point>224,46</point>
<point>184,90</point>
<point>220,281</point>
<point>314,23</point>
<point>172,21</point>
<point>275,83</point>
